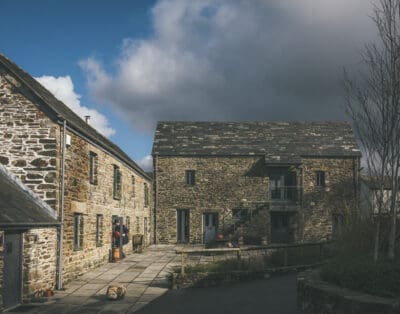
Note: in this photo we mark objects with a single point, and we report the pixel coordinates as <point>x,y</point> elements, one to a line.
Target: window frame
<point>78,224</point>
<point>146,194</point>
<point>99,230</point>
<point>320,178</point>
<point>117,183</point>
<point>190,177</point>
<point>93,168</point>
<point>133,185</point>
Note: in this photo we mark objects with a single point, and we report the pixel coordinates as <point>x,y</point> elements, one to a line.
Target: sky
<point>129,64</point>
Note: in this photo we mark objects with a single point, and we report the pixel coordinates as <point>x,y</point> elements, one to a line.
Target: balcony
<point>284,193</point>
<point>285,198</point>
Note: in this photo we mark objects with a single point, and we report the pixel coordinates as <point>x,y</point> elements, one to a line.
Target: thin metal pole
<point>61,216</point>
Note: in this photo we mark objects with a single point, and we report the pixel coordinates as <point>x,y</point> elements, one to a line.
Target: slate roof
<point>278,141</point>
<point>20,207</point>
<point>56,109</point>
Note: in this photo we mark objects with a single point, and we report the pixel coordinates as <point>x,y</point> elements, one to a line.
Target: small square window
<point>320,178</point>
<point>190,177</point>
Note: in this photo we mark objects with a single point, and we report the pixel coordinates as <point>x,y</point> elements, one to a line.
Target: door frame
<point>19,267</point>
<point>121,250</point>
<point>179,225</point>
<point>203,222</point>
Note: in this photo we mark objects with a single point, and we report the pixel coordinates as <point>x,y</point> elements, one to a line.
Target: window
<point>93,168</point>
<point>146,195</point>
<point>145,227</point>
<point>137,224</point>
<point>320,178</point>
<point>240,213</point>
<point>78,231</point>
<point>133,186</point>
<point>190,177</point>
<point>128,223</point>
<point>117,186</point>
<point>99,230</point>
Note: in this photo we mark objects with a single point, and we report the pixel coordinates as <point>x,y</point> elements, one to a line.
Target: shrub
<point>361,273</point>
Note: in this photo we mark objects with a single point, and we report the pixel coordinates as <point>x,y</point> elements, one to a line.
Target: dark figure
<point>125,235</point>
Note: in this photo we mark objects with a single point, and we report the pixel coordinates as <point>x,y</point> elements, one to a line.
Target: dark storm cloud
<point>237,60</point>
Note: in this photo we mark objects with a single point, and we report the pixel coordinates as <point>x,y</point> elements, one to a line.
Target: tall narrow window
<point>137,224</point>
<point>117,187</point>
<point>320,178</point>
<point>78,231</point>
<point>133,186</point>
<point>190,177</point>
<point>99,230</point>
<point>93,168</point>
<point>146,195</point>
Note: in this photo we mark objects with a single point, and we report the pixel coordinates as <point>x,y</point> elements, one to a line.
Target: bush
<point>354,268</point>
<point>361,273</point>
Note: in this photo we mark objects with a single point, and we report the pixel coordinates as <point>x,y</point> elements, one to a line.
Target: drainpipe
<point>61,216</point>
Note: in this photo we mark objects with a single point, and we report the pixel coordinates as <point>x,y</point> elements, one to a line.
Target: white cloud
<point>146,163</point>
<point>63,89</point>
<point>236,60</point>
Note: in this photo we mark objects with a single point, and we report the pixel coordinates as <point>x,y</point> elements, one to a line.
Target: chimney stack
<point>87,118</point>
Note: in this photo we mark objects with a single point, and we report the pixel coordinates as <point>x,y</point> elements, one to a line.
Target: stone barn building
<point>88,180</point>
<point>257,182</point>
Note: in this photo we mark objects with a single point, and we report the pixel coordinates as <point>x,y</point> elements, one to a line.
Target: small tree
<point>373,105</point>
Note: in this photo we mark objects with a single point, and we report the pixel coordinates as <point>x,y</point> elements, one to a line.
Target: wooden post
<point>238,255</point>
<point>183,263</point>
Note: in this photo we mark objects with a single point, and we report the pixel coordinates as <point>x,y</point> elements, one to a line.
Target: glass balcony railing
<point>284,193</point>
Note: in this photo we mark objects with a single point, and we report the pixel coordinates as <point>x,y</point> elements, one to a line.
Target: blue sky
<point>136,62</point>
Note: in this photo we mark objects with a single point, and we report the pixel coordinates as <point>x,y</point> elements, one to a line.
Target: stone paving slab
<point>144,275</point>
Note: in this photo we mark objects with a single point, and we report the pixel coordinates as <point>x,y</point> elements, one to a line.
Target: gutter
<point>61,208</point>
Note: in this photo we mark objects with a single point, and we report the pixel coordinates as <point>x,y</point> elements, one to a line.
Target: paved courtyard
<point>144,276</point>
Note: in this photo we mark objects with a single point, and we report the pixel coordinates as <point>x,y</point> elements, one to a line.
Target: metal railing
<point>284,193</point>
<point>184,252</point>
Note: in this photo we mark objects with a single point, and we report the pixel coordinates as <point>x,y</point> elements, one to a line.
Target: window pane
<point>190,177</point>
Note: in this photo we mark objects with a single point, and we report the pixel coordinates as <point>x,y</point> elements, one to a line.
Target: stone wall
<point>315,296</point>
<point>28,148</point>
<point>97,199</point>
<point>28,142</point>
<point>39,261</point>
<point>226,183</point>
<point>222,184</point>
<point>338,196</point>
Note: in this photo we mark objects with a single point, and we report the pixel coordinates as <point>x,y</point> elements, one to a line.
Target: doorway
<point>210,226</point>
<point>182,219</point>
<point>117,240</point>
<point>12,274</point>
<point>280,228</point>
